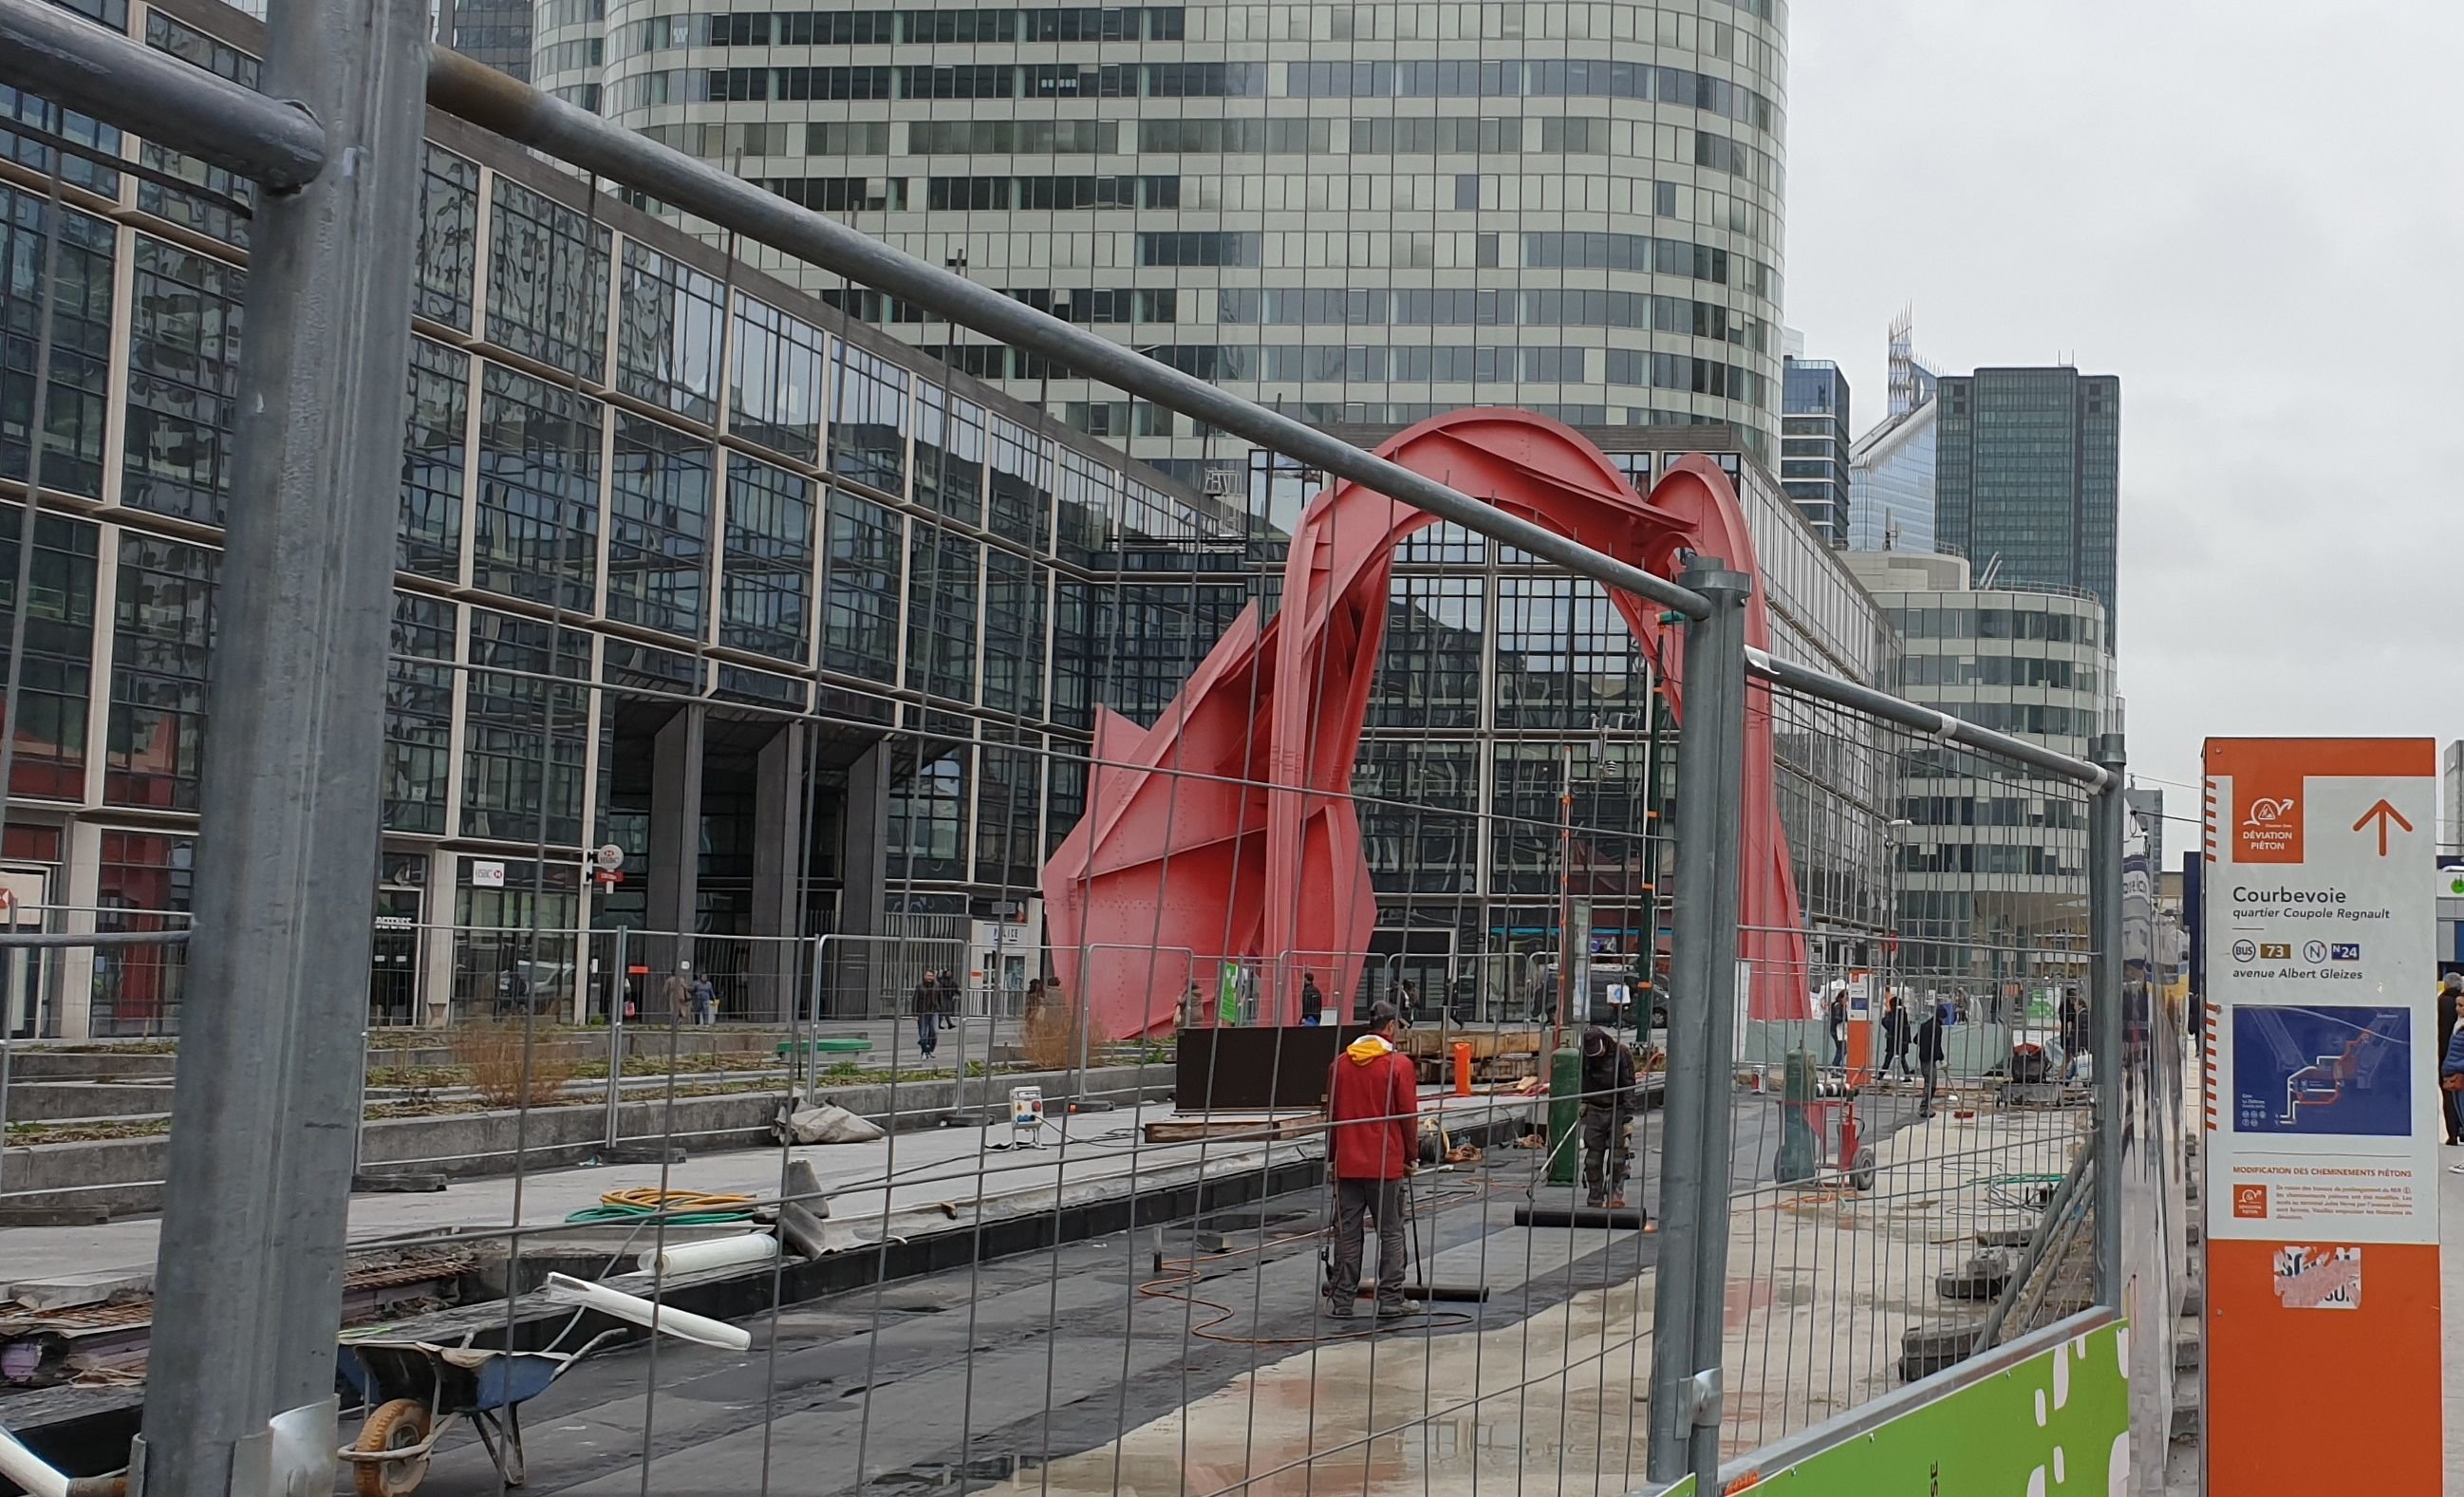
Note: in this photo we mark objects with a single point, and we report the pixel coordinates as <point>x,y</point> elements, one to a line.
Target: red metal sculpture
<point>1226,831</point>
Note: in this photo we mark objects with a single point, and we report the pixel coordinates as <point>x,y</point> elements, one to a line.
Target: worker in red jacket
<point>1372,1101</point>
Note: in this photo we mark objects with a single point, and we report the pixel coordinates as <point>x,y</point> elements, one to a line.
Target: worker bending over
<point>1611,1104</point>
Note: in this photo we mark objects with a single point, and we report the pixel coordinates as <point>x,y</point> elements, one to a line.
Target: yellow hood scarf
<point>1367,1047</point>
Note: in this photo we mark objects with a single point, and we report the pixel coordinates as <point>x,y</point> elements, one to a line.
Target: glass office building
<point>1363,213</point>
<point>1891,484</point>
<point>811,627</point>
<point>1814,444</point>
<point>1989,869</point>
<point>2028,475</point>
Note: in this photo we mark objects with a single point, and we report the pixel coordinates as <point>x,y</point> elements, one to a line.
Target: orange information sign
<point>2322,1118</point>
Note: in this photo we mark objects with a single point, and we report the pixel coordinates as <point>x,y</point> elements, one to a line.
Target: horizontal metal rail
<point>490,100</point>
<point>63,57</point>
<point>1923,719</point>
<point>75,938</point>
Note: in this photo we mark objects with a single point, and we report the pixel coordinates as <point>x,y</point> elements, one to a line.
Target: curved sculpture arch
<point>1226,831</point>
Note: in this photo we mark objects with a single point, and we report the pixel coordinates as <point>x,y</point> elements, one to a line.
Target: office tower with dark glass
<point>1364,214</point>
<point>1814,444</point>
<point>2028,466</point>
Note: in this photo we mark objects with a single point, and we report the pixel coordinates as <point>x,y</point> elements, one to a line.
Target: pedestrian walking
<point>2450,1076</point>
<point>925,1003</point>
<point>1407,1003</point>
<point>2076,1032</point>
<point>1312,1001</point>
<point>705,1002</point>
<point>1373,1098</point>
<point>1611,1103</point>
<point>948,1005</point>
<point>676,993</point>
<point>1930,1048</point>
<point>2451,1100</point>
<point>1896,1035</point>
<point>1836,1013</point>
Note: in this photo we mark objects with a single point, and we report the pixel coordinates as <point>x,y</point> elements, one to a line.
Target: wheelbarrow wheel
<point>394,1426</point>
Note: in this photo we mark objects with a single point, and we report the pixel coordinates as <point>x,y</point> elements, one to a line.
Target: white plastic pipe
<point>569,1290</point>
<point>28,1470</point>
<point>724,1252</point>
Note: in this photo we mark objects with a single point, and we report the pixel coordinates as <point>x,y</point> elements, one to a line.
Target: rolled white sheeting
<point>723,1252</point>
<point>680,1323</point>
<point>30,1470</point>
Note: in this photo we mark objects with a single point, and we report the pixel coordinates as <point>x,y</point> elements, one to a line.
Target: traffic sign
<point>2322,1144</point>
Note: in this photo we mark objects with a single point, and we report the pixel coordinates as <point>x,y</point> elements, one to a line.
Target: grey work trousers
<point>1383,1199</point>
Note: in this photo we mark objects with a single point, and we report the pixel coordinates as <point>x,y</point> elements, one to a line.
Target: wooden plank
<point>1259,1127</point>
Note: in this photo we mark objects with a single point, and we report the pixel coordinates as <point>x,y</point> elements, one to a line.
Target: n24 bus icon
<point>2344,951</point>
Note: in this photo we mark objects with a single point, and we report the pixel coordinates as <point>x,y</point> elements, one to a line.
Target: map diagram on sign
<point>2322,1070</point>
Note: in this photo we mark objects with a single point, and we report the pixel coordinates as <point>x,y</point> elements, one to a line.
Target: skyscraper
<point>1365,214</point>
<point>494,32</point>
<point>1814,444</point>
<point>2028,477</point>
<point>1891,467</point>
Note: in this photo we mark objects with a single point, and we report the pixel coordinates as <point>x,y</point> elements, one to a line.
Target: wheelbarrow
<point>415,1389</point>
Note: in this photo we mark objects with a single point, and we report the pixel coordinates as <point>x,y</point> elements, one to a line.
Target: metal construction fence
<point>1090,1230</point>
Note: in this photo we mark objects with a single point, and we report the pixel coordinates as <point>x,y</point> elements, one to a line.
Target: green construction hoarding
<point>2055,1424</point>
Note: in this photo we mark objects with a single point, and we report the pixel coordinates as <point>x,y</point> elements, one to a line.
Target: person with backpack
<point>1312,1000</point>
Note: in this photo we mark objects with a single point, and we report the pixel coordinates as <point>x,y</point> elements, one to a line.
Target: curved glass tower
<point>1365,212</point>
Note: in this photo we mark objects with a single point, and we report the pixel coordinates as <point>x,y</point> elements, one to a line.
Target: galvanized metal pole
<point>1695,1136</point>
<point>2106,835</point>
<point>49,51</point>
<point>248,1282</point>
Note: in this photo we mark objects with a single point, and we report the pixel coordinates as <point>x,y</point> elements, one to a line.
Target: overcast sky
<point>2254,214</point>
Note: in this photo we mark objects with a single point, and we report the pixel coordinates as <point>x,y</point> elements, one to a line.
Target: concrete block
<point>68,1291</point>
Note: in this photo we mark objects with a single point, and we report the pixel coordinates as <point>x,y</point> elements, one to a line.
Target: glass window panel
<point>658,526</point>
<point>775,389</point>
<point>1008,794</point>
<point>72,412</point>
<point>183,375</point>
<point>1022,484</point>
<point>861,588</point>
<point>869,420</point>
<point>1015,590</point>
<point>524,728</point>
<point>448,239</point>
<point>928,816</point>
<point>769,560</point>
<point>668,332</point>
<point>432,452</point>
<point>537,522</point>
<point>419,714</point>
<point>949,454</point>
<point>547,280</point>
<point>142,877</point>
<point>941,587</point>
<point>161,639</point>
<point>50,731</point>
